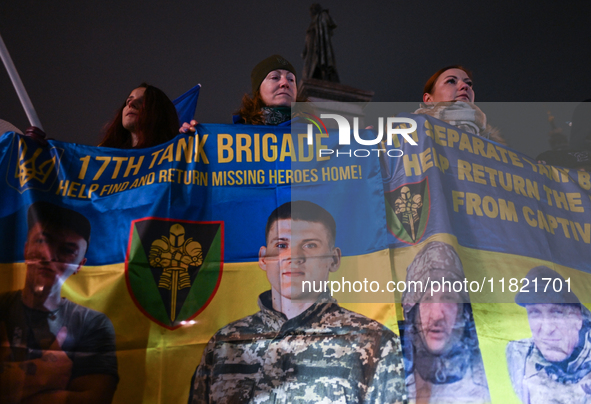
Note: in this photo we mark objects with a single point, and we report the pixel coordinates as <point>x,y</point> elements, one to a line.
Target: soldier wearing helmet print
<point>442,358</point>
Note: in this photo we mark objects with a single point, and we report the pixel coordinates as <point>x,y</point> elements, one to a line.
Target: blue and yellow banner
<point>175,236</point>
<point>165,248</point>
<point>500,243</point>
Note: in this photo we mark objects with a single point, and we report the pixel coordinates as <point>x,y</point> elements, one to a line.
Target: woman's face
<point>278,89</point>
<point>451,85</point>
<point>131,111</point>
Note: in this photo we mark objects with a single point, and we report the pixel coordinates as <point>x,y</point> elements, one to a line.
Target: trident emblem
<point>174,255</point>
<point>408,205</point>
<point>31,169</point>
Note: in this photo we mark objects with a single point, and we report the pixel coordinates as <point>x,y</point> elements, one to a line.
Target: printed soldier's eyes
<point>310,245</point>
<point>557,312</point>
<point>281,245</point>
<point>448,298</point>
<point>68,251</point>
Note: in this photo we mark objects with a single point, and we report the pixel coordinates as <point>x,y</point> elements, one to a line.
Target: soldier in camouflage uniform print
<point>554,366</point>
<point>441,352</point>
<point>300,347</point>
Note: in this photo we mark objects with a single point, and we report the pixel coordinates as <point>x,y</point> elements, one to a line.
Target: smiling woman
<point>147,118</point>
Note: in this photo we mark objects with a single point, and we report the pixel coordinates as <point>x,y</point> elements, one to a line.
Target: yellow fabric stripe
<point>156,364</point>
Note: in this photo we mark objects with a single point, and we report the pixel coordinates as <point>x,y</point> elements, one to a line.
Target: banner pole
<point>18,86</point>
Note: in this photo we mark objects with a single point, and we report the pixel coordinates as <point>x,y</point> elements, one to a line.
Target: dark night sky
<point>79,60</point>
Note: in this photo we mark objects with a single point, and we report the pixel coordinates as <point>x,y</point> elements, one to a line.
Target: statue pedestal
<point>320,90</point>
<point>339,98</point>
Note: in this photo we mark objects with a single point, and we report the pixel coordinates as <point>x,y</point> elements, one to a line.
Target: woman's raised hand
<point>188,127</point>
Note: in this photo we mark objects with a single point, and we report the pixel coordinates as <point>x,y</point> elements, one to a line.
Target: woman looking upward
<point>448,95</point>
<point>147,118</point>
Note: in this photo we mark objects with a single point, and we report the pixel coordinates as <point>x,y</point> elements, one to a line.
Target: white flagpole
<point>18,86</point>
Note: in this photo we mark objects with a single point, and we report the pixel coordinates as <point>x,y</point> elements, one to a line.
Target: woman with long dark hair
<point>147,118</point>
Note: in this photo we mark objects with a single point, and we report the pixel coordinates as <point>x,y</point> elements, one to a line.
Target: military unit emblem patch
<point>407,211</point>
<point>173,267</point>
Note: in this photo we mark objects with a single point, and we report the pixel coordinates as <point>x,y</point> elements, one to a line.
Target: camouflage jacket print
<point>324,355</point>
<point>534,382</point>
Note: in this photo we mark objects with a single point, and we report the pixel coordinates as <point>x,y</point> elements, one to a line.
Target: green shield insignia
<point>407,211</point>
<point>173,267</point>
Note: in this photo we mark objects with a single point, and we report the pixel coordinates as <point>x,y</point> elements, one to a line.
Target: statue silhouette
<point>319,59</point>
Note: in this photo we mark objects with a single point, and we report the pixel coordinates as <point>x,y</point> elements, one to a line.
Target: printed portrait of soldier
<point>554,366</point>
<point>301,347</point>
<point>442,358</point>
<point>53,350</point>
